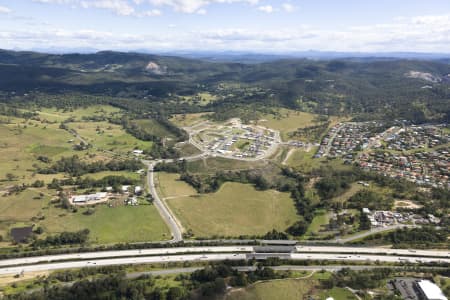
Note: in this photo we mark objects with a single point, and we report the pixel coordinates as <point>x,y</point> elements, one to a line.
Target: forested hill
<point>417,90</point>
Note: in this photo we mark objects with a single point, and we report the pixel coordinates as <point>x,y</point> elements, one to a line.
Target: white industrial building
<point>88,198</point>
<point>137,190</point>
<point>430,291</point>
<point>138,152</point>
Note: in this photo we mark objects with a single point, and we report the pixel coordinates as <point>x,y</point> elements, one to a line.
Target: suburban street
<point>205,152</point>
<point>333,136</point>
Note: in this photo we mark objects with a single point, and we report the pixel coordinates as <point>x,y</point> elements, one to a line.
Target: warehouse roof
<point>431,290</point>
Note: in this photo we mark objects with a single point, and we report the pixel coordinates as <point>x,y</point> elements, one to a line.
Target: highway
<point>373,250</point>
<point>369,258</point>
<point>302,251</point>
<point>122,253</point>
<point>217,257</point>
<point>119,261</point>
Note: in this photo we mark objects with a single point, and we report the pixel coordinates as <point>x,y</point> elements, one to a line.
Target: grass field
<point>107,225</point>
<point>20,147</point>
<point>33,280</point>
<point>200,99</point>
<point>111,225</point>
<point>212,165</point>
<point>241,144</point>
<point>321,219</point>
<point>443,282</point>
<point>58,115</point>
<point>100,175</point>
<point>107,136</point>
<point>236,209</point>
<point>187,149</point>
<point>18,210</point>
<point>304,160</point>
<point>354,188</point>
<point>169,185</point>
<point>102,135</point>
<point>338,294</point>
<point>23,141</point>
<point>286,289</point>
<point>21,207</point>
<point>155,128</point>
<point>321,275</point>
<point>287,121</point>
<point>319,229</point>
<point>20,144</point>
<point>185,120</point>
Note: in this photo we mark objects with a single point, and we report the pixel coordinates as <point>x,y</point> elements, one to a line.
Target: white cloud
<point>423,34</point>
<point>196,6</point>
<point>4,10</point>
<point>120,7</point>
<point>268,36</point>
<point>287,7</point>
<point>151,13</point>
<point>266,8</point>
<point>432,20</point>
<point>55,1</point>
<point>128,7</point>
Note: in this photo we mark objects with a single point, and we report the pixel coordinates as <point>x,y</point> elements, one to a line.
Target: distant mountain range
<point>314,55</point>
<point>255,57</point>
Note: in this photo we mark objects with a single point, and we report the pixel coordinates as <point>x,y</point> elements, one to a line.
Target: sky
<point>264,26</point>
